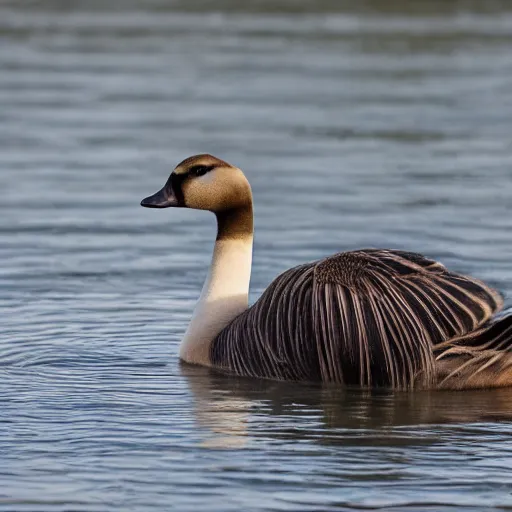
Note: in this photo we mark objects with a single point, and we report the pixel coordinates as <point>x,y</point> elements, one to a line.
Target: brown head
<point>204,182</point>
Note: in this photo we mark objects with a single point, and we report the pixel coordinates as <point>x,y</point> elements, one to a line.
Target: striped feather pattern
<point>482,358</point>
<point>367,318</point>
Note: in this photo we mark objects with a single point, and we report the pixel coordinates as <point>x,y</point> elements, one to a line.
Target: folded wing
<point>366,318</point>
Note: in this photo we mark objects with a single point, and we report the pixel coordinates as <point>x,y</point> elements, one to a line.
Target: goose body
<point>372,318</point>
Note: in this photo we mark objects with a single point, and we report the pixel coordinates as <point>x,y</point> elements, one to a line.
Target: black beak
<point>164,198</point>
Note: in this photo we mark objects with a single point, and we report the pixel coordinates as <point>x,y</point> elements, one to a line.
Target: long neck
<point>225,292</point>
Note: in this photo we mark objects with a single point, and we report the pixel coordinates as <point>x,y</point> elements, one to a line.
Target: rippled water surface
<point>358,124</point>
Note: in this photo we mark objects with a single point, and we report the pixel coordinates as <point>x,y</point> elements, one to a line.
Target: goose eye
<point>199,170</point>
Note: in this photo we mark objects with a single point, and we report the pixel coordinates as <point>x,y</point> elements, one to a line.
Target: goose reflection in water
<point>234,411</point>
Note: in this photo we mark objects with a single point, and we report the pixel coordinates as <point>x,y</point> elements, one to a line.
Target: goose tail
<point>480,359</point>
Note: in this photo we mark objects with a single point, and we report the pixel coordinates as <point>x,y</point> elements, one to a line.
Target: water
<point>358,124</point>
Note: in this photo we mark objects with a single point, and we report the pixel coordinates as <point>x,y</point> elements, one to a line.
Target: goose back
<point>368,318</point>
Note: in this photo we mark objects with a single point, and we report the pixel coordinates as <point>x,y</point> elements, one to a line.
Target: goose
<point>368,318</point>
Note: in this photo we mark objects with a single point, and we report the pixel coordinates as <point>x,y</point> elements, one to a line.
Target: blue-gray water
<point>358,124</point>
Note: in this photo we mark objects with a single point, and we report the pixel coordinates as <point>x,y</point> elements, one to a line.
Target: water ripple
<point>358,124</point>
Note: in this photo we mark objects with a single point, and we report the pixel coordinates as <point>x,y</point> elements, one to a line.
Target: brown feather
<point>366,318</point>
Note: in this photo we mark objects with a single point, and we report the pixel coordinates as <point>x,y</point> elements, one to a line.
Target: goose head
<point>203,182</point>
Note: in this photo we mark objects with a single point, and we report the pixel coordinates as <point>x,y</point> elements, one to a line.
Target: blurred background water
<point>368,123</point>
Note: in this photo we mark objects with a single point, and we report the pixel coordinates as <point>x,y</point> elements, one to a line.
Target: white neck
<point>224,296</point>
